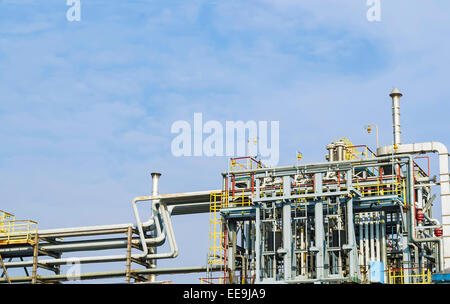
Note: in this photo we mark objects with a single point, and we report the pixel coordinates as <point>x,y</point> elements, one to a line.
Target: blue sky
<point>86,107</point>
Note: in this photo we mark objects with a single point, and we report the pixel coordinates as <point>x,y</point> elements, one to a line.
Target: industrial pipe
<point>441,149</point>
<point>395,95</point>
<point>112,274</point>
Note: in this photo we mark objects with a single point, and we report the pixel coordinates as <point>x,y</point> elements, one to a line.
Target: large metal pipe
<point>109,258</point>
<point>396,95</point>
<point>112,274</point>
<point>155,182</point>
<point>340,151</point>
<point>155,191</point>
<point>162,209</point>
<point>88,245</point>
<point>84,231</point>
<point>330,148</point>
<point>441,149</point>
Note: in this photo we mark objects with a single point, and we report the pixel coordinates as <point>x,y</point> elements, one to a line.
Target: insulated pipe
<point>353,254</point>
<point>377,236</point>
<point>372,237</point>
<point>441,149</point>
<point>111,274</point>
<point>155,191</point>
<point>361,238</point>
<point>340,151</point>
<point>330,148</point>
<point>116,258</point>
<point>112,258</point>
<point>435,221</point>
<point>411,231</point>
<point>99,244</point>
<point>159,238</point>
<point>366,242</point>
<point>86,230</point>
<point>383,243</point>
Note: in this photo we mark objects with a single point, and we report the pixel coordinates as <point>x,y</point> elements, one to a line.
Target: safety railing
<point>409,276</point>
<point>214,280</point>
<point>17,232</point>
<point>418,171</point>
<point>245,163</point>
<point>224,280</point>
<point>361,152</point>
<point>6,217</point>
<point>382,187</point>
<point>240,199</point>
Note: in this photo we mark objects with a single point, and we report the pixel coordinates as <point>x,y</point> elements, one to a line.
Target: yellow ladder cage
<point>216,235</point>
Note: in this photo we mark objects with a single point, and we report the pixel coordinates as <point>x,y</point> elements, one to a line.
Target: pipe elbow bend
<point>440,148</point>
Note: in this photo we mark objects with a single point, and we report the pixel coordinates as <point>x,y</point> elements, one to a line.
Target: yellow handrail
<point>398,276</point>
<point>17,232</point>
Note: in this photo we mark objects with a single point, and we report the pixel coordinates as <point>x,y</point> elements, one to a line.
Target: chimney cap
<point>395,92</point>
<point>155,174</point>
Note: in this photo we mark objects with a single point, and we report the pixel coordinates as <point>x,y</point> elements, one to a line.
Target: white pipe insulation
<point>441,149</point>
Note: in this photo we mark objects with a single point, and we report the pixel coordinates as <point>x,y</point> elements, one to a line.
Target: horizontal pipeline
<point>112,274</point>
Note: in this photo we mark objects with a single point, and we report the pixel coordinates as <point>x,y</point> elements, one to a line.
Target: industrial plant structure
<point>358,217</point>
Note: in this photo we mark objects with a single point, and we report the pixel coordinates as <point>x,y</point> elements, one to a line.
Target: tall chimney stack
<point>395,95</point>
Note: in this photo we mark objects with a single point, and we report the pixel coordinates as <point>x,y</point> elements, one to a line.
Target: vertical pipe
<point>287,229</point>
<point>377,237</point>
<point>372,239</point>
<point>319,237</point>
<point>340,151</point>
<point>361,239</point>
<point>351,239</point>
<point>232,253</point>
<point>383,243</point>
<point>257,239</point>
<point>330,148</point>
<point>155,191</point>
<point>128,262</point>
<point>366,243</point>
<point>395,95</point>
<point>35,259</point>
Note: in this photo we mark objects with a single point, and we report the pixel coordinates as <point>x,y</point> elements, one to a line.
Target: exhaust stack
<point>155,182</point>
<point>396,95</point>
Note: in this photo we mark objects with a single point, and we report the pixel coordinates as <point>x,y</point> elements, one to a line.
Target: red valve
<point>438,232</point>
<point>420,215</point>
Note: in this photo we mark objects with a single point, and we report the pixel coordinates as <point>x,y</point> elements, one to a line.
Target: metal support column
<point>353,254</point>
<point>35,259</point>
<point>258,242</point>
<point>5,272</point>
<point>128,262</point>
<point>287,229</point>
<point>319,239</point>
